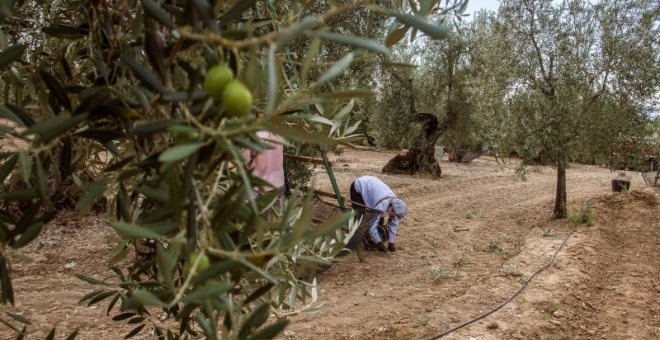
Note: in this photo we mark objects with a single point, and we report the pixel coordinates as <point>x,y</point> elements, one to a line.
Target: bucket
<point>620,185</point>
<point>439,153</point>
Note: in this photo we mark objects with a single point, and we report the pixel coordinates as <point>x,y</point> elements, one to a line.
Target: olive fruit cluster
<point>221,85</point>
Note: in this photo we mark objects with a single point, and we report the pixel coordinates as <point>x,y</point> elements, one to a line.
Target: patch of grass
<point>511,265</point>
<point>551,308</point>
<point>424,319</point>
<point>548,232</point>
<point>439,273</point>
<point>521,173</point>
<point>394,335</point>
<point>470,214</point>
<point>495,248</point>
<point>582,216</point>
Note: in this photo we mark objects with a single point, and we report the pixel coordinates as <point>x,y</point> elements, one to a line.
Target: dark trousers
<point>369,217</point>
<point>356,197</point>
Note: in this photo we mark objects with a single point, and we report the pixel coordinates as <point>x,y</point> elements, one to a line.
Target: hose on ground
<point>498,307</point>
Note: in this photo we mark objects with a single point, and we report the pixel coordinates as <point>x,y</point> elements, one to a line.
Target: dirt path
<point>442,277</point>
<point>469,241</point>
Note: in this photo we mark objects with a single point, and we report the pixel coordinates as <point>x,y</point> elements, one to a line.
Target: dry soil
<point>470,241</point>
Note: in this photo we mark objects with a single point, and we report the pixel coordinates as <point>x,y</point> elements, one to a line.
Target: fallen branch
<point>305,159</point>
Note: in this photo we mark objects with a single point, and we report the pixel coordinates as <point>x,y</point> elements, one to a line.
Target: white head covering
<point>400,208</point>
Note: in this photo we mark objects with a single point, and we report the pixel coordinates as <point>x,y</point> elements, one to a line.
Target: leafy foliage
<point>109,96</point>
<point>573,66</point>
<point>445,72</point>
<point>390,121</point>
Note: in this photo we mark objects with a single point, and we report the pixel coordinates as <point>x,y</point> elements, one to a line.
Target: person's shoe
<point>391,247</point>
<point>381,247</point>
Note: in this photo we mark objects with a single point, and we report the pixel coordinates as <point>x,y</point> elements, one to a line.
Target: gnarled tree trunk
<point>421,157</point>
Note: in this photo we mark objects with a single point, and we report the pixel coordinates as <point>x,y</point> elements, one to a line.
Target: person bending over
<point>370,192</point>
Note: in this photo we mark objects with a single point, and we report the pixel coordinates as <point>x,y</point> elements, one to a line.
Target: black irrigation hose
<point>509,299</point>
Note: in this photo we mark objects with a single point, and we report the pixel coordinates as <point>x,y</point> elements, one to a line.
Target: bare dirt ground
<point>469,242</point>
<point>473,237</point>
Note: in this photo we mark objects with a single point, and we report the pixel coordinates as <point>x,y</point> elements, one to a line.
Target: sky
<point>475,5</point>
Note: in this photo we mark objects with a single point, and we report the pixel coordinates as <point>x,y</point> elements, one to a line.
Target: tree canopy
<point>549,81</point>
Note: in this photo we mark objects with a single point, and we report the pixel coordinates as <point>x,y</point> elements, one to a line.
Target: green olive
<point>217,78</point>
<point>237,99</point>
<point>201,266</point>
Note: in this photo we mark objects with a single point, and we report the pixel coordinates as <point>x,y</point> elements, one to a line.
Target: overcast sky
<point>475,5</point>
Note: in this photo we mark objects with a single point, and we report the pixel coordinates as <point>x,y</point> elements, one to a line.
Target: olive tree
<point>568,58</point>
<point>445,72</point>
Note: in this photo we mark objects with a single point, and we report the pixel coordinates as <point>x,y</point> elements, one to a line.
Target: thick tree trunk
<point>421,157</point>
<point>560,195</point>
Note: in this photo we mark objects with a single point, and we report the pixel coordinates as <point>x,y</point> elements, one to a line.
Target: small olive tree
<point>569,58</point>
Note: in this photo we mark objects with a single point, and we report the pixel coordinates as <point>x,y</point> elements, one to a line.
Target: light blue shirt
<point>377,195</point>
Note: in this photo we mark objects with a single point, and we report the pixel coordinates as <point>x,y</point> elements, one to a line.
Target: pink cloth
<point>269,164</point>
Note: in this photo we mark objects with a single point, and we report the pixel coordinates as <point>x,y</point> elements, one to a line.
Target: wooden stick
<point>325,194</point>
<point>306,159</point>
